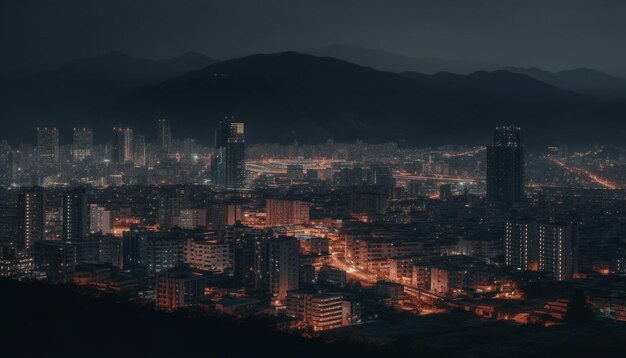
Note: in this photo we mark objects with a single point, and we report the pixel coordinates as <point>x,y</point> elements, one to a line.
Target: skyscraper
<point>164,138</point>
<point>277,264</point>
<point>75,215</point>
<point>47,147</point>
<point>139,158</point>
<point>123,148</point>
<point>505,167</point>
<point>82,143</point>
<point>228,167</point>
<point>31,217</point>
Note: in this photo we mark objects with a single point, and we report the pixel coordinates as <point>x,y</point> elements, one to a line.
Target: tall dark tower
<point>505,167</point>
<point>75,215</point>
<point>228,164</point>
<point>123,149</point>
<point>164,138</point>
<point>47,148</point>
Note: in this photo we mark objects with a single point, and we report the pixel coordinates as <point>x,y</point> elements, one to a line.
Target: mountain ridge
<point>289,96</point>
<point>582,80</point>
<point>395,62</point>
<point>69,91</point>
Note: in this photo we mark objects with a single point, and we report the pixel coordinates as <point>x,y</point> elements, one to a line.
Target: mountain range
<point>64,95</point>
<point>290,96</point>
<point>394,62</point>
<point>581,80</point>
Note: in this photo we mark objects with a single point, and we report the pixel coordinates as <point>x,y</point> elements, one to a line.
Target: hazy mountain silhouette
<point>582,80</point>
<point>394,62</point>
<point>290,96</point>
<point>66,93</point>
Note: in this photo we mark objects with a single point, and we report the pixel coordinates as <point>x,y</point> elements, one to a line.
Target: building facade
<point>82,143</point>
<point>286,212</point>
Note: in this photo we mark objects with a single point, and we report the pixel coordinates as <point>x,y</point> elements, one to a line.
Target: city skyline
<point>301,225</point>
<point>427,178</point>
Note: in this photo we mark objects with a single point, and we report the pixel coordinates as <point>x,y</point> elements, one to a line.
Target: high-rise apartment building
<point>208,256</point>
<point>82,143</point>
<point>159,253</point>
<point>31,217</point>
<point>100,220</point>
<point>546,245</point>
<point>277,266</point>
<point>123,148</point>
<point>368,202</point>
<point>192,218</point>
<point>382,176</point>
<point>321,311</point>
<point>164,138</point>
<point>286,212</point>
<point>75,215</point>
<point>222,214</point>
<point>171,201</point>
<point>557,249</point>
<point>520,244</point>
<point>139,157</point>
<point>47,147</point>
<point>174,290</point>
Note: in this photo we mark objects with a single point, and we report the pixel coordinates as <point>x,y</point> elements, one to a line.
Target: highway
<point>466,153</point>
<point>354,272</point>
<point>592,176</point>
<point>403,175</point>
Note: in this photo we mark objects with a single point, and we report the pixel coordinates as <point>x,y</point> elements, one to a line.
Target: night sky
<point>556,34</point>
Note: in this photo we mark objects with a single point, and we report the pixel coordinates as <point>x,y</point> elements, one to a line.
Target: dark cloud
<point>554,34</point>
